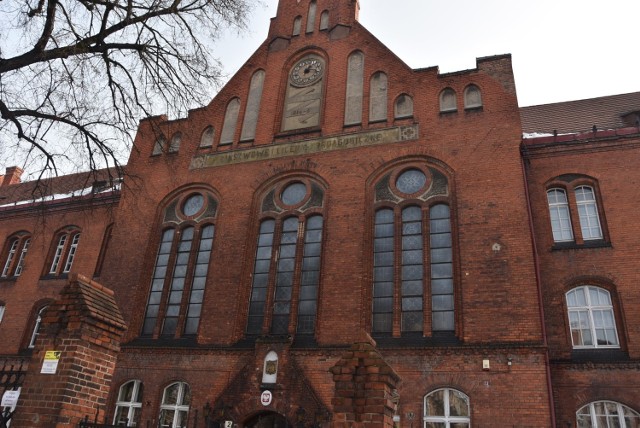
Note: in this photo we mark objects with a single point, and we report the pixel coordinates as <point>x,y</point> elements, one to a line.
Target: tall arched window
<point>447,408</point>
<point>64,253</point>
<point>297,26</point>
<point>253,106</point>
<point>174,410</point>
<point>311,16</point>
<point>129,404</point>
<point>14,254</point>
<point>605,414</point>
<point>324,20</point>
<point>378,97</point>
<point>354,89</point>
<point>286,274</point>
<point>230,122</point>
<point>182,265</point>
<point>413,280</point>
<point>591,318</point>
<point>560,217</point>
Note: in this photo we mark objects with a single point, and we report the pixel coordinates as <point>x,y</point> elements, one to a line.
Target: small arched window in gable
<point>253,107</point>
<point>448,101</point>
<point>311,17</point>
<point>403,107</point>
<point>159,146</point>
<point>174,145</point>
<point>472,97</point>
<point>230,122</point>
<point>297,25</point>
<point>206,140</point>
<point>378,97</point>
<point>324,20</point>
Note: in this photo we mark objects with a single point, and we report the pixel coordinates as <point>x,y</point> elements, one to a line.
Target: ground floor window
<point>174,410</point>
<point>605,414</point>
<point>129,404</point>
<point>446,408</point>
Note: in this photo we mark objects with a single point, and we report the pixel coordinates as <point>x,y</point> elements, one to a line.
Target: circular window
<point>193,205</point>
<point>294,193</point>
<point>411,181</point>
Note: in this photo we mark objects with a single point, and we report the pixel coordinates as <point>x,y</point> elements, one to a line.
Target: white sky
<point>562,49</point>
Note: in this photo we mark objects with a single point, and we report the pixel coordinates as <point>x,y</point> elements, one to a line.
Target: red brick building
<point>338,240</point>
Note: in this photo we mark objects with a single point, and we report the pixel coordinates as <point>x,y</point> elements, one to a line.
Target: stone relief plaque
<point>304,94</point>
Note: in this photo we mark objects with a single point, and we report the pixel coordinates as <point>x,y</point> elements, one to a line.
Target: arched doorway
<point>267,420</point>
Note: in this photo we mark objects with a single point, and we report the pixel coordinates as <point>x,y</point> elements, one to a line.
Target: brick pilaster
<point>85,326</point>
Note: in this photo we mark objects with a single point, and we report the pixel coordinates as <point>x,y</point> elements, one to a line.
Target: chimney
<point>12,176</point>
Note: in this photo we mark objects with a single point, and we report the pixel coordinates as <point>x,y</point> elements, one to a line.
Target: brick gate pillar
<point>85,326</point>
<point>365,394</point>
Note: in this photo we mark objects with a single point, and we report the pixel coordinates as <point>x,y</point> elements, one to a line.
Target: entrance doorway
<point>268,420</point>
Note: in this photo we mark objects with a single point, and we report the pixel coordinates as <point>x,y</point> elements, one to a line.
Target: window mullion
<point>397,272</point>
<point>297,273</point>
<point>273,274</point>
<point>188,281</point>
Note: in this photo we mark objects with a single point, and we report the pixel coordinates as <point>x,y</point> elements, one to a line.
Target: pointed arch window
<point>15,254</point>
<point>413,279</point>
<point>180,273</point>
<point>286,274</point>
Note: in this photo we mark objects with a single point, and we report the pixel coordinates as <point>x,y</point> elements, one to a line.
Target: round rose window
<point>411,181</point>
<point>294,193</point>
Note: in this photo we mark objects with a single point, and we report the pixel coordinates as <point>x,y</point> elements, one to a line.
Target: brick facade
<point>190,224</point>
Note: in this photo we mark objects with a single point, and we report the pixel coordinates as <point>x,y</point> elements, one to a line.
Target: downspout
<point>536,262</point>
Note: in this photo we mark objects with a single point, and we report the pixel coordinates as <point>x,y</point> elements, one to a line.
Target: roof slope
<point>61,187</point>
<point>576,116</point>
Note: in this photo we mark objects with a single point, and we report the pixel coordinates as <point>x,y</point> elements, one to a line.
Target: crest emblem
<point>271,367</point>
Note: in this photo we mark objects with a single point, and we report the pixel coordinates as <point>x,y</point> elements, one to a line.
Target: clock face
<point>307,72</point>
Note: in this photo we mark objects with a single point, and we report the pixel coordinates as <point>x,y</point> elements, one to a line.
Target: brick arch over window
<point>285,280</point>
<point>413,275</point>
<point>64,248</point>
<point>576,212</point>
<point>14,254</point>
<point>183,252</point>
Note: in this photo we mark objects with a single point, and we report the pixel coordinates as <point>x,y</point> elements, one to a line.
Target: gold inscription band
<point>351,141</point>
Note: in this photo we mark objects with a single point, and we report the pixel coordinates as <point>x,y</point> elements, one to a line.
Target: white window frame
<point>588,213</point>
<point>129,406</point>
<point>10,255</point>
<point>621,409</point>
<point>36,328</point>
<point>23,254</point>
<point>560,213</point>
<point>590,309</point>
<point>58,255</point>
<point>2,309</point>
<point>177,408</point>
<point>72,252</point>
<point>446,418</point>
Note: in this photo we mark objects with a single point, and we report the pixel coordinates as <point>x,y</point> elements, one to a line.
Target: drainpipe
<point>536,262</point>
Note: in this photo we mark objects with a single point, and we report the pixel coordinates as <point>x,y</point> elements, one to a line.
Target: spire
<point>300,17</point>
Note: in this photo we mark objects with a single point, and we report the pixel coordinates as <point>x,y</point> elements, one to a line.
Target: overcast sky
<point>562,49</point>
